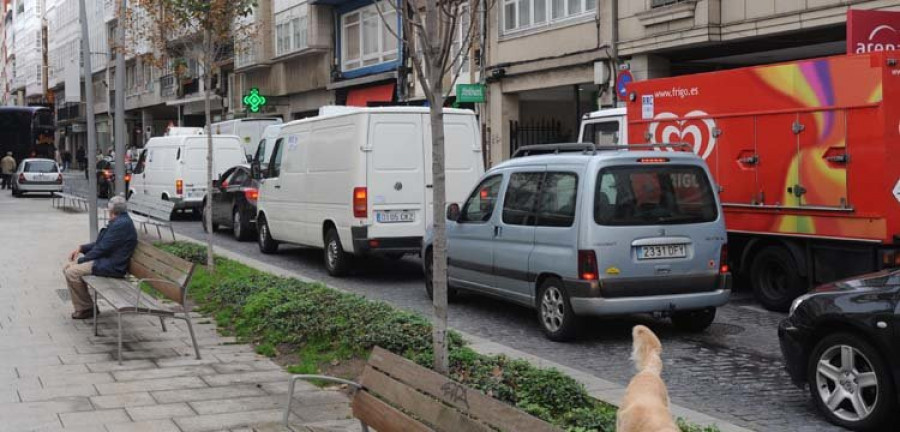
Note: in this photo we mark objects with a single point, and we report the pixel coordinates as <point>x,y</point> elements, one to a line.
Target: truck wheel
<point>775,278</point>
<point>267,244</point>
<point>555,312</point>
<point>452,293</point>
<point>337,262</point>
<point>694,321</point>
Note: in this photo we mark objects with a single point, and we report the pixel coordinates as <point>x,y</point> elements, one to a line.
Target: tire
<point>554,311</point>
<point>267,244</point>
<point>215,226</point>
<point>776,279</point>
<point>428,264</point>
<point>240,228</point>
<point>694,321</point>
<point>337,262</point>
<point>878,397</point>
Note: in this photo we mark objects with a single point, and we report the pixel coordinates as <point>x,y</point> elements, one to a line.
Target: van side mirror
<point>254,170</point>
<point>215,183</point>
<point>453,212</point>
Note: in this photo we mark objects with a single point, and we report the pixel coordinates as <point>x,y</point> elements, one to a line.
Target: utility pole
<point>91,123</point>
<point>119,163</point>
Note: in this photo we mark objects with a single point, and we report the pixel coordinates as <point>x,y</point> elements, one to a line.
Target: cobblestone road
<point>733,371</point>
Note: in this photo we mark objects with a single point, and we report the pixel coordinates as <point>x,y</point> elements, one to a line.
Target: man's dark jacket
<point>113,249</point>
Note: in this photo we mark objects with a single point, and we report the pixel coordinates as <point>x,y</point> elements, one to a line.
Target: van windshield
<point>653,195</point>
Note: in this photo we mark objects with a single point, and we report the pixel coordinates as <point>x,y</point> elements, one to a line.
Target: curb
<point>600,389</point>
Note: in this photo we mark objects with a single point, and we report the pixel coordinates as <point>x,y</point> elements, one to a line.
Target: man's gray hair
<point>118,205</point>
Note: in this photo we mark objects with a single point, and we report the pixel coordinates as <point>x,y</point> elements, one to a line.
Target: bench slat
<point>487,409</point>
<point>173,261</point>
<point>432,411</point>
<point>382,416</point>
<point>121,295</point>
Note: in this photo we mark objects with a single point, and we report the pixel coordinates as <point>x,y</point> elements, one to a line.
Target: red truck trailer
<point>806,155</point>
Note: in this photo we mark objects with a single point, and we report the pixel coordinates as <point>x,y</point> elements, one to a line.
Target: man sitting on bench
<point>108,257</point>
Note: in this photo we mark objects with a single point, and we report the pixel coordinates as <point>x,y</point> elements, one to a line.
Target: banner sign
<point>869,31</point>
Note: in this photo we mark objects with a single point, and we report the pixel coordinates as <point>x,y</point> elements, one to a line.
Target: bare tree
<point>202,30</point>
<point>440,32</point>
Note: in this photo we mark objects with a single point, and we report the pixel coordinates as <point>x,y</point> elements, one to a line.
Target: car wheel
<point>776,280</point>
<point>850,383</point>
<point>452,293</point>
<point>241,229</point>
<point>267,244</point>
<point>694,321</point>
<point>555,312</point>
<point>337,262</point>
<point>215,226</point>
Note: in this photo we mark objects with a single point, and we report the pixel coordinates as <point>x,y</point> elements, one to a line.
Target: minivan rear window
<point>653,195</point>
<point>40,167</point>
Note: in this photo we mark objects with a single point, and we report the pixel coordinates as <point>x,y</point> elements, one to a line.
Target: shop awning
<point>362,96</point>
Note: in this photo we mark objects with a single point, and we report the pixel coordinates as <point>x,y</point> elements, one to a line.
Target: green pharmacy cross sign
<point>254,100</point>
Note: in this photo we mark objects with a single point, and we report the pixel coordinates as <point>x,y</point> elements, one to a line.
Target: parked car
<point>37,175</point>
<point>843,341</point>
<point>234,197</point>
<point>358,181</point>
<point>106,177</point>
<point>173,168</point>
<point>592,233</point>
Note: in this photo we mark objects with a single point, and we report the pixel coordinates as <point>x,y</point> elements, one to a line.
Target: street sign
<point>473,93</point>
<point>254,100</point>
<point>869,31</point>
<point>623,80</point>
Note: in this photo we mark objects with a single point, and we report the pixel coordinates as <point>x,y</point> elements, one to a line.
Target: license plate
<point>662,251</point>
<point>394,216</point>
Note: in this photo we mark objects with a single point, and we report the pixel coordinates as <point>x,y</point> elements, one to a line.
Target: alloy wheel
<point>332,254</point>
<point>847,383</point>
<point>236,224</point>
<point>552,308</point>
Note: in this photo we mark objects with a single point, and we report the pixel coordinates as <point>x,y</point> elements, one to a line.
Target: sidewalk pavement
<point>56,376</point>
<point>598,388</point>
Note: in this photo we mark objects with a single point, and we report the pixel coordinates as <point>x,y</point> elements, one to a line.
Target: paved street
<point>56,376</point>
<point>733,371</point>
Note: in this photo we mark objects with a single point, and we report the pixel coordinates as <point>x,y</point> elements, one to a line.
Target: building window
<point>527,14</point>
<point>365,40</point>
<point>462,40</point>
<point>291,30</point>
<point>661,3</point>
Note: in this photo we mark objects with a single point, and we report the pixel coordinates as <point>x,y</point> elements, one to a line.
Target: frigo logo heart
<point>695,129</point>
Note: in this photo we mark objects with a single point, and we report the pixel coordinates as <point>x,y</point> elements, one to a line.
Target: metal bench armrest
<point>295,378</point>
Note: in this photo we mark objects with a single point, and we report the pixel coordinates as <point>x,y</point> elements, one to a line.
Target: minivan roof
<point>341,111</point>
<point>577,158</point>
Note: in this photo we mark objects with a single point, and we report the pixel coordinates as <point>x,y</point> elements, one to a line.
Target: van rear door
<point>396,177</point>
<point>463,163</point>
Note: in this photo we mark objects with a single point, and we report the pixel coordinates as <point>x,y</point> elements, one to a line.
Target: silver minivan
<point>587,231</point>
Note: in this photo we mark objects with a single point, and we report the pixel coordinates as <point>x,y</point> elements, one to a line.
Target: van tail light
<point>360,202</point>
<point>59,179</point>
<point>252,194</point>
<point>127,178</point>
<point>587,265</point>
<point>723,259</point>
<point>22,178</point>
<point>179,187</point>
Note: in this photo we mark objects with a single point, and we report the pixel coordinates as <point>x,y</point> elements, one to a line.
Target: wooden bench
<point>152,211</point>
<point>165,273</point>
<point>74,200</point>
<point>395,394</point>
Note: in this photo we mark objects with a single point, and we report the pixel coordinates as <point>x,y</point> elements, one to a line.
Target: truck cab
<point>604,127</point>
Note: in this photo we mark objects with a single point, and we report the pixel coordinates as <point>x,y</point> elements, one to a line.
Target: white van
<point>360,181</point>
<point>180,130</point>
<point>249,130</point>
<point>266,144</point>
<point>174,168</point>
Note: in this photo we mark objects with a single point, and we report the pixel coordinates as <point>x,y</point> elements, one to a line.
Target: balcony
<point>69,112</point>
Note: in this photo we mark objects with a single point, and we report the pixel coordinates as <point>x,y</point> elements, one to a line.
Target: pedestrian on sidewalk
<point>7,169</point>
<point>108,257</point>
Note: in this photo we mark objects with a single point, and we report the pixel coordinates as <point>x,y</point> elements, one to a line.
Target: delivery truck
<point>806,157</point>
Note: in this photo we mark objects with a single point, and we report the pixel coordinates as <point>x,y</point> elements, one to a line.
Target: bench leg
<point>162,324</point>
<point>119,316</point>
<point>96,309</point>
<point>187,317</point>
<point>158,233</point>
<point>172,229</point>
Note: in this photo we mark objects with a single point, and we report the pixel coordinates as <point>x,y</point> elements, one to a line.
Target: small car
<point>843,341</point>
<point>234,198</point>
<point>37,175</point>
<point>592,231</point>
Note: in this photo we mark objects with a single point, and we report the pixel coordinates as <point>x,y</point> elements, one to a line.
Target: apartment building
<point>545,56</point>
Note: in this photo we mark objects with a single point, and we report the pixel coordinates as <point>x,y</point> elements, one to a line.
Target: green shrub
<point>326,325</point>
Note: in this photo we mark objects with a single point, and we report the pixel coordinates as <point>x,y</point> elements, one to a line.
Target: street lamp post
<point>91,125</point>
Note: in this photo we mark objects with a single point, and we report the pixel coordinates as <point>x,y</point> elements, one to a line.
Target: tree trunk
<point>207,211</point>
